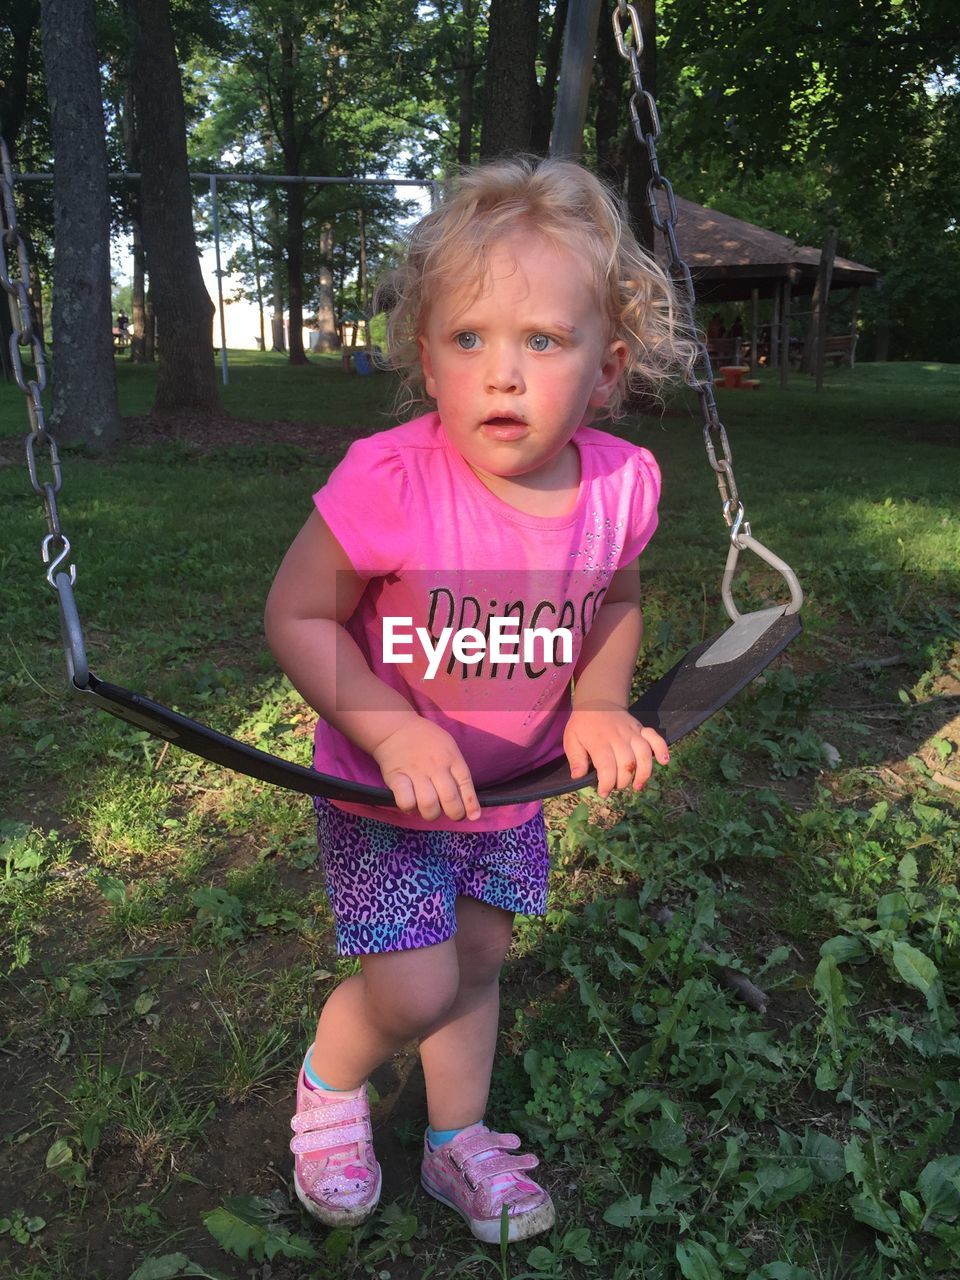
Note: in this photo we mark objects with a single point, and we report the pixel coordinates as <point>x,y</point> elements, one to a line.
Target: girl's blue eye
<point>539,342</point>
<point>467,341</point>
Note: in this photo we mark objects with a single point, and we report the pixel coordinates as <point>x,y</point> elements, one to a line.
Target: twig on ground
<point>748,992</point>
<point>864,664</point>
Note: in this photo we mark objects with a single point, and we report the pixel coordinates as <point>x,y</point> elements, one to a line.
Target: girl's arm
<point>315,591</point>
<point>600,728</point>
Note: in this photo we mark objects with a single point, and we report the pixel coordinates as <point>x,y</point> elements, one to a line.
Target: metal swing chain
<point>629,37</point>
<point>55,547</point>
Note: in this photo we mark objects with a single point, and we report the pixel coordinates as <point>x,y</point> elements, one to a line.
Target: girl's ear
<point>611,367</point>
<point>429,382</point>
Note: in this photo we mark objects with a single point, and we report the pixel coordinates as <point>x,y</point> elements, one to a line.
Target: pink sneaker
<point>474,1175</point>
<point>335,1172</point>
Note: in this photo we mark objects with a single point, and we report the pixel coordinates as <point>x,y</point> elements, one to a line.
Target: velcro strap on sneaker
<point>465,1149</point>
<point>482,1170</point>
<point>329,1113</point>
<point>321,1140</point>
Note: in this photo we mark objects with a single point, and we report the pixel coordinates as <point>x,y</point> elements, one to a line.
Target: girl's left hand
<point>622,750</point>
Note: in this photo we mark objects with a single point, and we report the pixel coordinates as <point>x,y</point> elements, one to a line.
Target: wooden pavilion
<point>734,261</point>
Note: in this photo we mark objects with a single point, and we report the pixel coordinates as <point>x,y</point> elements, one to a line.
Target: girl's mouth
<point>505,428</point>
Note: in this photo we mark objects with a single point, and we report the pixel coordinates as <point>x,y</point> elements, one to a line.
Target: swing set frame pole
<point>576,69</point>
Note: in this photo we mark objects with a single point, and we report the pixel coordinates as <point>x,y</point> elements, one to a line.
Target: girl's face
<point>515,370</point>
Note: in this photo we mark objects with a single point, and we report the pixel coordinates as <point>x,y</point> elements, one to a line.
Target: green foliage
<point>29,857</point>
<point>20,1227</point>
<point>250,1227</point>
<point>172,1265</point>
<point>797,118</point>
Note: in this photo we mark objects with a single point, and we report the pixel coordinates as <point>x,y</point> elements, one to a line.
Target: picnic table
<point>732,375</point>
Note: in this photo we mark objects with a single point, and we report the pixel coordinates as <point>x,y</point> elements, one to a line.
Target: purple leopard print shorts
<point>393,889</point>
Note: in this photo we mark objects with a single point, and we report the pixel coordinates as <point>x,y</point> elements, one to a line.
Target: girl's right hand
<point>423,767</point>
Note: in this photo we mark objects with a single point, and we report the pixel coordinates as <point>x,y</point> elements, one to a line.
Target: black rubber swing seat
<point>691,691</point>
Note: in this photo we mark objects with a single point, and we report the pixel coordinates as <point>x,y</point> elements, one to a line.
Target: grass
<point>166,941</point>
<point>264,386</point>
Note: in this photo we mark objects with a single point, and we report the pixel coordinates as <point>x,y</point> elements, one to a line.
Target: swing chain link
<point>55,548</point>
<point>629,38</point>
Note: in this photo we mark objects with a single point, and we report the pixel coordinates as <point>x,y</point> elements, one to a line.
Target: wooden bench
<point>839,348</point>
<point>723,350</point>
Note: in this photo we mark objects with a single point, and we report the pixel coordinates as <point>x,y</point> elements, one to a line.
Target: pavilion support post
<point>754,329</point>
<point>854,312</point>
<point>774,342</point>
<point>822,298</point>
<point>785,334</point>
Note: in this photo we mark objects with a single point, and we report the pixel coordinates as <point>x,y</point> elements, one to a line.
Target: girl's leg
<point>457,1050</point>
<point>369,1016</point>
<point>394,997</point>
<point>477,1172</point>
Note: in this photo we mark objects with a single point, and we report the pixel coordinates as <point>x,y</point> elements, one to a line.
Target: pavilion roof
<point>728,257</point>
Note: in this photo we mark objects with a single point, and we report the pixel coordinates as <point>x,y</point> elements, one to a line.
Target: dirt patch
<point>210,434</point>
<point>941,433</point>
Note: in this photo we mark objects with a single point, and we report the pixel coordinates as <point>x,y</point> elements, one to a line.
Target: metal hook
<point>64,555</point>
<point>742,540</point>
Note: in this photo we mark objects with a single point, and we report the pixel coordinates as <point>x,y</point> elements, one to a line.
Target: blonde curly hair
<point>570,208</point>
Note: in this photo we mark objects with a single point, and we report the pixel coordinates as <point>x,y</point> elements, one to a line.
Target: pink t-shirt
<point>442,553</point>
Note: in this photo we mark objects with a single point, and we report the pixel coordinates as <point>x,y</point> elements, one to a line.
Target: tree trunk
<point>21,20</point>
<point>294,247</point>
<point>882,350</point>
<point>784,339</point>
<point>824,280</point>
<point>138,291</point>
<point>138,300</point>
<point>468,74</point>
<point>329,338</point>
<point>258,275</point>
<point>184,312</point>
<point>363,296</point>
<point>291,33</point>
<point>149,326</point>
<point>854,312</point>
<point>279,297</point>
<point>84,382</point>
<point>278,330</point>
<point>818,303</point>
<point>611,96</point>
<point>510,84</point>
<point>547,90</point>
<point>35,292</point>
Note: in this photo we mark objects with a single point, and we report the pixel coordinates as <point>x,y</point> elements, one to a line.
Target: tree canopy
<point>798,117</point>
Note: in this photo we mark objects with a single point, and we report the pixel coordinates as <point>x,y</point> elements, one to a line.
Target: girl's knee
<point>484,934</point>
<point>481,962</point>
<point>411,996</point>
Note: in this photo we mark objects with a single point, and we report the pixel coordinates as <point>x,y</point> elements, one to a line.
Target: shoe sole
<point>336,1217</point>
<point>487,1230</point>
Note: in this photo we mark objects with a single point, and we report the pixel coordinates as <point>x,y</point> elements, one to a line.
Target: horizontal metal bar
<point>288,179</point>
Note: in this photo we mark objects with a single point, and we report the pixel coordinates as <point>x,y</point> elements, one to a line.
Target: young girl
<point>458,577</point>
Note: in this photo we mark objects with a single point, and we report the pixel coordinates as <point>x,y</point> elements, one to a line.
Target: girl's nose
<point>504,372</point>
